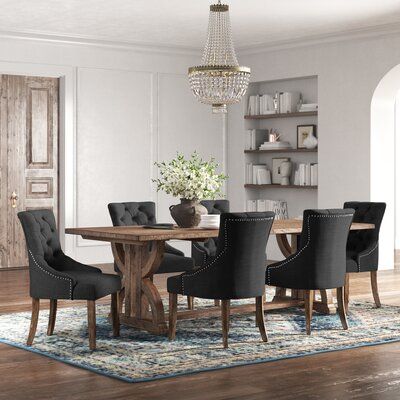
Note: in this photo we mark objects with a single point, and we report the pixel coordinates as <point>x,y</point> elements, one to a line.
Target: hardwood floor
<point>364,373</point>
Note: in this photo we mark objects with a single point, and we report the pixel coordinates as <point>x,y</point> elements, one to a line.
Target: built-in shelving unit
<point>285,115</point>
<point>297,197</point>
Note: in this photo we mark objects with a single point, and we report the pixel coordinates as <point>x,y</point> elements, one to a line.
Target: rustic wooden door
<point>28,157</point>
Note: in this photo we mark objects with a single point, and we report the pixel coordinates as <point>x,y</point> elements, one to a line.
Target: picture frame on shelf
<point>276,170</point>
<point>303,132</point>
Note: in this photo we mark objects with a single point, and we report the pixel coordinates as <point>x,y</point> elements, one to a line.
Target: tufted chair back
<point>41,234</point>
<point>370,213</point>
<point>216,206</point>
<point>323,247</point>
<point>132,213</point>
<point>238,269</point>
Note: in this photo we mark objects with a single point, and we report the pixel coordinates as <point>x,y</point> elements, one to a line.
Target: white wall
<point>123,110</point>
<point>348,73</point>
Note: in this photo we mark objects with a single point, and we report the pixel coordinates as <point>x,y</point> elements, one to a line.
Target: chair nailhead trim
<point>288,260</point>
<point>52,275</point>
<point>366,254</point>
<point>224,249</point>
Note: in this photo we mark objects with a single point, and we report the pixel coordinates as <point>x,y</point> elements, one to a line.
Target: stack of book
<point>275,146</point>
<point>279,207</point>
<point>288,102</point>
<point>281,102</point>
<point>261,104</point>
<point>306,175</point>
<point>257,174</point>
<point>254,137</point>
<point>308,107</point>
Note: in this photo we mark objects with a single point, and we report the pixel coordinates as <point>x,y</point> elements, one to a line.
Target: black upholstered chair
<point>144,213</point>
<point>320,261</point>
<point>53,275</point>
<point>236,272</point>
<point>363,245</point>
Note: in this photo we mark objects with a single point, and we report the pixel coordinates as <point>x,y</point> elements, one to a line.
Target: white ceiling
<point>183,23</point>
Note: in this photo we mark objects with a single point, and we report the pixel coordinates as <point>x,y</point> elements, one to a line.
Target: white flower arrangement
<point>192,179</point>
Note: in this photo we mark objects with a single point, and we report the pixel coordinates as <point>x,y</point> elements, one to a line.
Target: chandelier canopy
<point>219,80</point>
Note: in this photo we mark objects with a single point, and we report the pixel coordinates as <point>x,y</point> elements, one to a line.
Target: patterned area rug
<point>138,356</point>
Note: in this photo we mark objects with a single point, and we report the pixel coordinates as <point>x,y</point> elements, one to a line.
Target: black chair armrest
<point>47,282</point>
<point>200,253</point>
<point>369,256</point>
<point>65,263</point>
<point>172,250</point>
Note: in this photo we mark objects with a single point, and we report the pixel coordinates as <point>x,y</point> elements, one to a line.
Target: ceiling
<point>183,23</point>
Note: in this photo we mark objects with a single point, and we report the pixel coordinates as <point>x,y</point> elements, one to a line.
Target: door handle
<point>14,199</point>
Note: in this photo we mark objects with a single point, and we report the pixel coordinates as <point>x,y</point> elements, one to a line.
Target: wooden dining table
<point>138,252</point>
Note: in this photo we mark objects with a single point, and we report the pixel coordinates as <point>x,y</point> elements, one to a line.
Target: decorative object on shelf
<point>308,107</point>
<point>279,207</point>
<point>306,137</point>
<point>286,171</point>
<point>219,80</point>
<point>276,102</point>
<point>191,180</point>
<point>277,170</point>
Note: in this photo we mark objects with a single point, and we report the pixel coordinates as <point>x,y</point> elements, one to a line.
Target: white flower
<point>190,179</point>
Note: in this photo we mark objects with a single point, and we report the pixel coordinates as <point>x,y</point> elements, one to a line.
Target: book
<point>314,174</point>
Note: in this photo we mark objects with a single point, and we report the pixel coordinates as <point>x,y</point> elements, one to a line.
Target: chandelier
<point>219,80</point>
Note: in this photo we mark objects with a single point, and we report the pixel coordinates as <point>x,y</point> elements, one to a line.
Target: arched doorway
<point>383,158</point>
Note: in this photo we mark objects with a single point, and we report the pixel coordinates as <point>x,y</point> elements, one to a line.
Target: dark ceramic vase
<point>188,213</point>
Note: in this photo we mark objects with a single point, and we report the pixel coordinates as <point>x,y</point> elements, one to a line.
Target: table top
<point>129,234</point>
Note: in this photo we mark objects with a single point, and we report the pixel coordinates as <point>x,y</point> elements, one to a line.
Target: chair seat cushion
<point>175,263</point>
<point>93,286</point>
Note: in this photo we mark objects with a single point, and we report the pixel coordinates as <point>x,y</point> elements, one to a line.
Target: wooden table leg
<point>326,305</point>
<point>143,305</point>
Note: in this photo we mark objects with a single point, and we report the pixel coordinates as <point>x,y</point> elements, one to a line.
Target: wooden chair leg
<point>260,317</point>
<point>341,307</point>
<point>121,298</point>
<point>346,294</point>
<point>173,311</point>
<point>34,321</point>
<point>374,285</point>
<point>225,306</point>
<point>217,303</point>
<point>115,313</point>
<point>308,304</point>
<point>52,317</point>
<point>91,314</point>
<point>190,302</point>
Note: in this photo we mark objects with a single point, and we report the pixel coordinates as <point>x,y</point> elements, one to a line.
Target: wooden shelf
<point>282,151</point>
<point>285,115</point>
<point>276,186</point>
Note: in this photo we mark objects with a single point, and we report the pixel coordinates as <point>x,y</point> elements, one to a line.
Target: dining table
<point>138,252</point>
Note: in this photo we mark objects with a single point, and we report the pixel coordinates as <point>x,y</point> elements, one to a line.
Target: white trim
<point>81,40</point>
<point>101,43</point>
<point>67,133</point>
<point>354,34</point>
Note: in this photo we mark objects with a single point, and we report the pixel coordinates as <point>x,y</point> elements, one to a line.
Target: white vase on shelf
<point>310,141</point>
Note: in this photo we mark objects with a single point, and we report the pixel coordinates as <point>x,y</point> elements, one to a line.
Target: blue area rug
<point>139,356</point>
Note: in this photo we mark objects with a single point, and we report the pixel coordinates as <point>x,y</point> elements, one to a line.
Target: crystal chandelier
<point>219,80</point>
